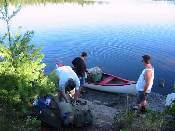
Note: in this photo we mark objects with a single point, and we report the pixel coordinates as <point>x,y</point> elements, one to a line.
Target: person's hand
<point>88,73</point>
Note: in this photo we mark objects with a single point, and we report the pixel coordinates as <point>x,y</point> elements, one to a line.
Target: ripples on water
<point>118,51</point>
<point>115,43</point>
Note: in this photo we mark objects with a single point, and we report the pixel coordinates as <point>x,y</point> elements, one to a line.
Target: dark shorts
<point>141,96</point>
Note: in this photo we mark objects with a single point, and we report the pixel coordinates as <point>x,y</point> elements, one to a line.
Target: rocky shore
<point>106,105</point>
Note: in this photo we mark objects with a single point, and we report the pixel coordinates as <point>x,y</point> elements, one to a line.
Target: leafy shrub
<point>53,77</point>
<point>22,72</point>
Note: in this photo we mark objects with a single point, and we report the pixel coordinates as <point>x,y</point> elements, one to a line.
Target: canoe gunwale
<point>111,84</point>
<point>126,82</point>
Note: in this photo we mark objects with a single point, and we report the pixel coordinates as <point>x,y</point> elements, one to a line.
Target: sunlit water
<point>115,35</point>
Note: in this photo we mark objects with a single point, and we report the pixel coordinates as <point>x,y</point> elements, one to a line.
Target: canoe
<point>113,84</point>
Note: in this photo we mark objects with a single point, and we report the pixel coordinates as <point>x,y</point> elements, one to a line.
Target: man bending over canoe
<point>80,67</point>
<point>144,83</point>
<point>68,80</point>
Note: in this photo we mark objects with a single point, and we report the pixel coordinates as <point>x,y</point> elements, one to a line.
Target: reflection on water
<point>115,35</point>
<point>116,12</point>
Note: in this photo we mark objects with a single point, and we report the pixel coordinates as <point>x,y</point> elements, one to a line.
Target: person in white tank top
<point>145,83</point>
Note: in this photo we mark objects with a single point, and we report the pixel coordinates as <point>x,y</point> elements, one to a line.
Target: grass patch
<point>11,120</point>
<point>133,120</point>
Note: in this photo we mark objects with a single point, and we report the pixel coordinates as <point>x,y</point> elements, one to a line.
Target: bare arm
<point>77,88</point>
<point>77,93</point>
<point>147,76</point>
<point>74,62</point>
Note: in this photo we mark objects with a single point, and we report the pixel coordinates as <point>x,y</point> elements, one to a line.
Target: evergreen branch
<point>15,12</point>
<point>6,5</point>
<point>3,14</point>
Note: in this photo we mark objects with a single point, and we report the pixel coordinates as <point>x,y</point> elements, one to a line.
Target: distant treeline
<point>34,2</point>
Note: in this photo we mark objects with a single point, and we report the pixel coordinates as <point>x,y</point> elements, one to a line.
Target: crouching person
<point>68,81</point>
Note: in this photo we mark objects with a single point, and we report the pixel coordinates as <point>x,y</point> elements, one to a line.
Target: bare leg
<point>142,106</point>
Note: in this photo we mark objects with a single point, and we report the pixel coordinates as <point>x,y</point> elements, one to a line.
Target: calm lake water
<point>114,33</point>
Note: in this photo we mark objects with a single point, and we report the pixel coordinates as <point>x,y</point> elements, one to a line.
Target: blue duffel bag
<point>46,109</point>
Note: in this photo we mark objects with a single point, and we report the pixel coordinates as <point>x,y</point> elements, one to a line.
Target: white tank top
<point>141,81</point>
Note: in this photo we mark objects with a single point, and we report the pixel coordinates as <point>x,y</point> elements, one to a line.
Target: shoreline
<point>106,105</point>
<point>113,100</point>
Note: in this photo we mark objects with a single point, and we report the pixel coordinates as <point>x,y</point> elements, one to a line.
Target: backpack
<point>66,112</point>
<point>82,115</point>
<point>46,110</point>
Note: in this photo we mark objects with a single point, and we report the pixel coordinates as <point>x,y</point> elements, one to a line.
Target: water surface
<point>114,33</point>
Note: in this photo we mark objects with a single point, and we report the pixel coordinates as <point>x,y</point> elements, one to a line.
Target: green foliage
<point>22,72</point>
<point>6,16</point>
<point>5,11</point>
<point>53,78</point>
<point>22,75</point>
